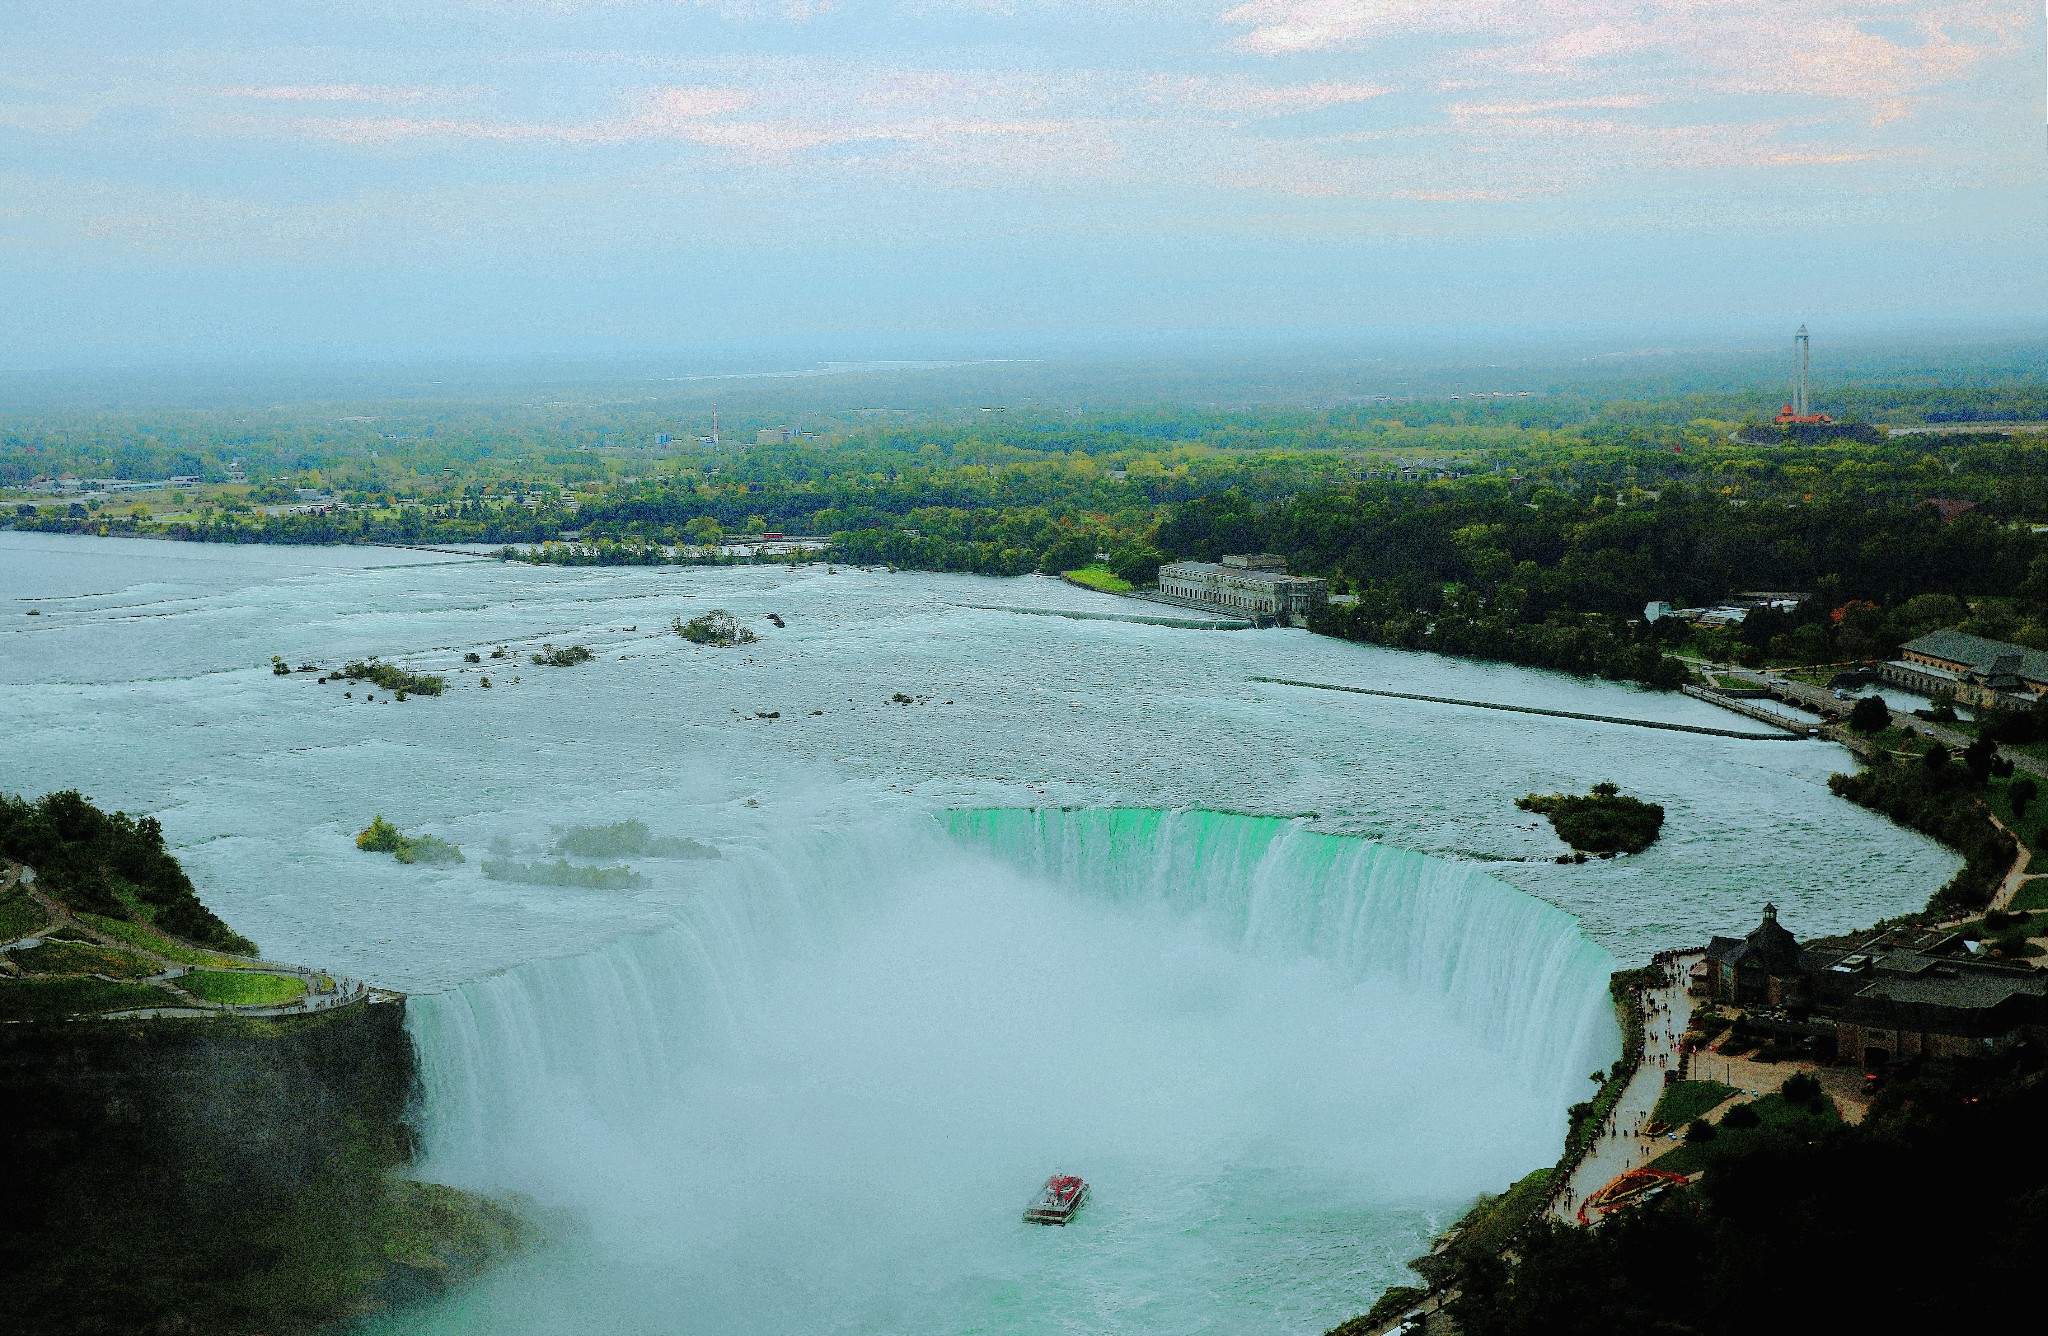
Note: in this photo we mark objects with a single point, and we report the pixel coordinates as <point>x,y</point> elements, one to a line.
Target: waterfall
<point>808,1103</point>
<point>1513,966</point>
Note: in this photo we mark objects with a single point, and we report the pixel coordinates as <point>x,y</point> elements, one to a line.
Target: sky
<point>226,179</point>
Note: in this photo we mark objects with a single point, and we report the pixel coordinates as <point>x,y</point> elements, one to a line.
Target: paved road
<point>1824,703</point>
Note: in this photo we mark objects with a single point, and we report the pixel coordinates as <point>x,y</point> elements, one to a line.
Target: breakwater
<point>1182,623</point>
<point>1531,709</point>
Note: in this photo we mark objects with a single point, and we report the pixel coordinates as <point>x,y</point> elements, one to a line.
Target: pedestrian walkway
<point>1621,1145</point>
<point>2017,875</point>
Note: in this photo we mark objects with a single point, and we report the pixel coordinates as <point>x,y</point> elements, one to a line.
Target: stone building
<point>1255,585</point>
<point>1910,993</point>
<point>1761,969</point>
<point>1973,670</point>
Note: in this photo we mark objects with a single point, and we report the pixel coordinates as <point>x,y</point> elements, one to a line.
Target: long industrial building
<point>1255,585</point>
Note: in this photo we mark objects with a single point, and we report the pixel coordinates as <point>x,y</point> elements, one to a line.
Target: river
<point>992,895</point>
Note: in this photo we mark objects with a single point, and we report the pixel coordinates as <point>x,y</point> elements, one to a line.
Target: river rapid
<point>931,900</point>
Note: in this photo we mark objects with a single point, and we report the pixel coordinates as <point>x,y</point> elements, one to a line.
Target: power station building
<point>1255,585</point>
<point>1973,671</point>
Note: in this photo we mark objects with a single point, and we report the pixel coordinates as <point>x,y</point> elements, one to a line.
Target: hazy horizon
<point>596,178</point>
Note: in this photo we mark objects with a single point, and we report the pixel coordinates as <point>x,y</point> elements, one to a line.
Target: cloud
<point>1609,102</point>
<point>1244,96</point>
<point>1281,27</point>
<point>1868,51</point>
<point>665,113</point>
<point>331,93</point>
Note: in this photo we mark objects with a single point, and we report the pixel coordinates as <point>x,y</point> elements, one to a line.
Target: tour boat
<point>1057,1201</point>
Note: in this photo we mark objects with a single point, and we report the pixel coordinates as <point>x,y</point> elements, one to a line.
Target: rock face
<point>220,1175</point>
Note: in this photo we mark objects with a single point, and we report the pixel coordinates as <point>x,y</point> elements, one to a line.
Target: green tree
<point>1870,715</point>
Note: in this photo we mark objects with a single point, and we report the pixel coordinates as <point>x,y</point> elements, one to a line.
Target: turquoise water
<point>808,1084</point>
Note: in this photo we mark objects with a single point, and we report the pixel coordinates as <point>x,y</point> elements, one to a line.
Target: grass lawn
<point>1100,577</point>
<point>54,957</point>
<point>1683,1101</point>
<point>1772,1110</point>
<point>149,939</point>
<point>55,999</point>
<point>2032,825</point>
<point>20,916</point>
<point>242,988</point>
<point>1491,1224</point>
<point>2033,895</point>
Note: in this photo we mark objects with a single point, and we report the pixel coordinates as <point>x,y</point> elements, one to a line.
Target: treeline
<point>1942,796</point>
<point>499,524</point>
<point>1548,578</point>
<point>1591,644</point>
<point>108,863</point>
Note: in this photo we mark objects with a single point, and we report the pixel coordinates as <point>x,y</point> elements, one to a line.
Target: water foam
<point>817,1101</point>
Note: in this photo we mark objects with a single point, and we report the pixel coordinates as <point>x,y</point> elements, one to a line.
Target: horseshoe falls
<point>877,968</point>
<point>819,1101</point>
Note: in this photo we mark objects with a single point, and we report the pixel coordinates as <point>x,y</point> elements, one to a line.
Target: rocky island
<point>196,1139</point>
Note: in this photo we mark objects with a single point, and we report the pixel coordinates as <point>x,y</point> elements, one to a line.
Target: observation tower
<point>1800,410</point>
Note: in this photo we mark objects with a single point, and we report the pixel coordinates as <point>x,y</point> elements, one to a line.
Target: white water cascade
<point>820,1100</point>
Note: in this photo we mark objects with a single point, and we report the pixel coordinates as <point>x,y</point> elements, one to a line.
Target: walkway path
<point>1621,1146</point>
<point>2017,875</point>
<point>324,991</point>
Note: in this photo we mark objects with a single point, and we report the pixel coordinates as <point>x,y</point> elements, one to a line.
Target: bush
<point>717,627</point>
<point>1801,1088</point>
<point>1870,715</point>
<point>381,837</point>
<point>1699,1131</point>
<point>392,678</point>
<point>1740,1118</point>
<point>1390,1305</point>
<point>550,657</point>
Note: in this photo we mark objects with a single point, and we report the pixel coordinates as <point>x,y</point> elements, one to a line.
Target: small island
<point>1604,822</point>
<point>381,837</point>
<point>716,627</point>
<point>568,656</point>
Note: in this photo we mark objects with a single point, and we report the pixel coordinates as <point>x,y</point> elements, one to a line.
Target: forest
<point>1533,531</point>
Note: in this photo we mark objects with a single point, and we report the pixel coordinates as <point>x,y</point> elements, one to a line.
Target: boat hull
<point>1056,1212</point>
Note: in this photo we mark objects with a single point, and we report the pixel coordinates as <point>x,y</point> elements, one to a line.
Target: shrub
<point>392,678</point>
<point>550,657</point>
<point>1870,715</point>
<point>1700,1131</point>
<point>381,837</point>
<point>1800,1088</point>
<point>717,627</point>
<point>109,863</point>
<point>1740,1118</point>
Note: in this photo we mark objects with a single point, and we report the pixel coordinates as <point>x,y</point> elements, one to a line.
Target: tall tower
<point>1799,385</point>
